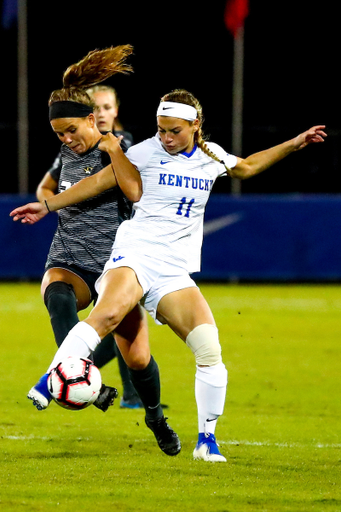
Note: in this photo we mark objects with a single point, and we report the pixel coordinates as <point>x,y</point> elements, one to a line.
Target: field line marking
<point>279,445</point>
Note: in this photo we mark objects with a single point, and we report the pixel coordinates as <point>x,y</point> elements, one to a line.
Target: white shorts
<point>157,278</point>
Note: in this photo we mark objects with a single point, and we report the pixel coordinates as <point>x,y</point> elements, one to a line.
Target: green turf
<point>281,431</point>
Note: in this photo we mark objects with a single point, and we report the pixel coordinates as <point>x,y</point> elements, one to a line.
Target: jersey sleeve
<point>56,168</point>
<point>140,154</point>
<point>229,160</point>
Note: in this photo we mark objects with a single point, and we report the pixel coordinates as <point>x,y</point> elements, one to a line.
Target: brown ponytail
<point>95,67</point>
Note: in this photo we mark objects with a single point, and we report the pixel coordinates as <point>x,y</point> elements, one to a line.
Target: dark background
<point>291,78</point>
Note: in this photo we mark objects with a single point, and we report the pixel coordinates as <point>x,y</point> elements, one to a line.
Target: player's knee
<point>137,362</point>
<point>105,318</point>
<point>59,294</point>
<point>204,343</point>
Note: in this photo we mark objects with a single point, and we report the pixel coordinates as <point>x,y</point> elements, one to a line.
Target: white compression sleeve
<point>210,392</point>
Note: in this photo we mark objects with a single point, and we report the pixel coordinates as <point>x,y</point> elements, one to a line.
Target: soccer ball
<point>75,383</point>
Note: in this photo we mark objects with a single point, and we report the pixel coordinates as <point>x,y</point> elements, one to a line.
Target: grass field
<point>281,431</point>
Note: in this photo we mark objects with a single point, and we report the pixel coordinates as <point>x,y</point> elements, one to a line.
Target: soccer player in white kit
<point>169,178</point>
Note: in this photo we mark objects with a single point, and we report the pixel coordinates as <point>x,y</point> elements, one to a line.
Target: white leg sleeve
<point>81,341</point>
<point>211,375</point>
<point>204,343</point>
<point>210,392</point>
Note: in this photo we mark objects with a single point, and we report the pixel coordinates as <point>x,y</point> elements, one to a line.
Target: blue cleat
<point>40,394</point>
<point>207,449</point>
<point>131,403</point>
<point>135,403</point>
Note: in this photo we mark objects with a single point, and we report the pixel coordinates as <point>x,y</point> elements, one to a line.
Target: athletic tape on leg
<point>204,343</point>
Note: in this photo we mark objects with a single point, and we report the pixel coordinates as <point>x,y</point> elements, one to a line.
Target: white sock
<point>210,392</point>
<point>81,341</point>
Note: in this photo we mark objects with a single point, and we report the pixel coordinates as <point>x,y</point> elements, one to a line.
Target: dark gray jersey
<point>87,230</point>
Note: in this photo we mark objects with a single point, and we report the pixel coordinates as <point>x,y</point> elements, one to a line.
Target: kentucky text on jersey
<point>174,180</point>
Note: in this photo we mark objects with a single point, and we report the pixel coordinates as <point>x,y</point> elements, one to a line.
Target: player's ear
<point>92,120</point>
<point>196,125</point>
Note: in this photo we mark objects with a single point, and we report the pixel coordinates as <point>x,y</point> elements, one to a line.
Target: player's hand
<point>109,142</point>
<point>29,213</point>
<point>313,135</point>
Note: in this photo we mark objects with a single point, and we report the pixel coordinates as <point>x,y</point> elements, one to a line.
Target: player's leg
<point>120,292</point>
<point>120,289</point>
<point>130,398</point>
<point>133,342</point>
<point>195,325</point>
<point>105,352</point>
<point>64,294</point>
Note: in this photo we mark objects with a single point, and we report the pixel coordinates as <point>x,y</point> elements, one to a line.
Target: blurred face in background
<point>106,110</point>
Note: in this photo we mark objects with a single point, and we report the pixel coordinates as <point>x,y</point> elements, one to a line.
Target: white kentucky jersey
<point>168,220</point>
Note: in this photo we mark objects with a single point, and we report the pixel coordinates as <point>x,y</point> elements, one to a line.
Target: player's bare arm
<point>84,189</point>
<point>259,162</point>
<point>47,188</point>
<point>128,177</point>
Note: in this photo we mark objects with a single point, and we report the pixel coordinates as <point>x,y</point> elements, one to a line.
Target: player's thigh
<point>119,293</point>
<point>82,291</point>
<point>185,309</point>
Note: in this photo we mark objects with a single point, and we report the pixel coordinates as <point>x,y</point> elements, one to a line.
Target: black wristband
<point>48,209</point>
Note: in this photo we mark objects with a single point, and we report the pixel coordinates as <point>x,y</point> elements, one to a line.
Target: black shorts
<point>87,276</point>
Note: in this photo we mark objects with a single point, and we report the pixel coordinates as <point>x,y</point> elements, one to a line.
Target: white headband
<point>180,110</point>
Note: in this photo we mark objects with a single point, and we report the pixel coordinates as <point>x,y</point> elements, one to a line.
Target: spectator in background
<point>106,112</point>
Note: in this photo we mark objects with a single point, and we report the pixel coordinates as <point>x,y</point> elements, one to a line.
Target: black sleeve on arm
<point>56,168</point>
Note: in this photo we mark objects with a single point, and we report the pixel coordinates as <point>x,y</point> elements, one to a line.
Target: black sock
<point>147,384</point>
<point>105,351</point>
<point>61,303</point>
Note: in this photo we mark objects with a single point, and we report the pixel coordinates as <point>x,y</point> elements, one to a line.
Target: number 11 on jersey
<point>182,203</point>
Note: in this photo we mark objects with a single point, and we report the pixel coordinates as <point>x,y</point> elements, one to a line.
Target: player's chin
<point>78,149</point>
<point>172,150</point>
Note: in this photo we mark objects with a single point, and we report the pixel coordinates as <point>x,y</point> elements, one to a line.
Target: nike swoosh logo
<point>155,407</point>
<point>163,162</point>
<point>167,108</point>
<point>117,259</point>
<point>212,226</point>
